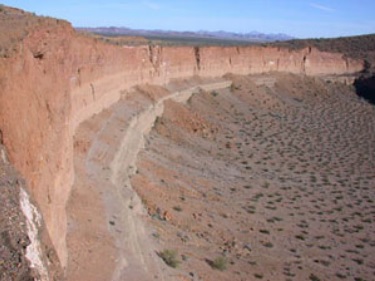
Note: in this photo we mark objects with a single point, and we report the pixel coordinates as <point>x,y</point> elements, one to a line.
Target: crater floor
<point>272,179</point>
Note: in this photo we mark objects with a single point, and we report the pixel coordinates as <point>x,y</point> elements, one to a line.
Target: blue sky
<point>299,18</point>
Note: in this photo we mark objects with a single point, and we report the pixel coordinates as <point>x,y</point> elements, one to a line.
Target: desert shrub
<point>220,263</point>
<point>268,244</point>
<point>313,277</point>
<point>177,208</point>
<point>169,257</point>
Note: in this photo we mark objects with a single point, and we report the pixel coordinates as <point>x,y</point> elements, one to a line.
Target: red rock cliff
<point>56,79</point>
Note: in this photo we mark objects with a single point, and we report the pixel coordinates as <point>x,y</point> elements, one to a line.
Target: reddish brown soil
<point>107,239</point>
<point>276,175</point>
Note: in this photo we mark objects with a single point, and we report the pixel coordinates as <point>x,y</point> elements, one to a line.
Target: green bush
<point>220,263</point>
<point>169,257</point>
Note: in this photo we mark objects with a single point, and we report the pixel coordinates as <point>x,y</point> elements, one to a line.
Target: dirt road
<point>107,235</point>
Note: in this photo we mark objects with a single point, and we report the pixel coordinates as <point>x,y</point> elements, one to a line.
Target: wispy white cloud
<point>321,7</point>
<point>151,5</point>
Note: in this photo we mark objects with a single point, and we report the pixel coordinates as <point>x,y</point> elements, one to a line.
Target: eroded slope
<point>107,238</point>
<point>275,175</point>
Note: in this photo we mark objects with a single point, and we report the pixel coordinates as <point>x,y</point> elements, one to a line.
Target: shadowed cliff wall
<point>365,87</point>
<point>55,79</point>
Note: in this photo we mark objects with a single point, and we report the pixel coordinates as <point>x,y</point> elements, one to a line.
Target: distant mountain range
<point>253,36</point>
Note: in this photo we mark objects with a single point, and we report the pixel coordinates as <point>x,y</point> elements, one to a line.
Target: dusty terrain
<point>271,178</point>
<point>105,214</point>
<point>53,79</point>
<point>275,175</point>
<point>73,119</point>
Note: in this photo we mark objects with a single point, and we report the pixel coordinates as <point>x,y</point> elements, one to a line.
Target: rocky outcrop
<point>25,252</point>
<point>55,79</point>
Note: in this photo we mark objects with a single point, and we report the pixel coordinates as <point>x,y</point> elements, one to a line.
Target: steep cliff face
<point>55,79</point>
<point>105,71</point>
<point>34,112</point>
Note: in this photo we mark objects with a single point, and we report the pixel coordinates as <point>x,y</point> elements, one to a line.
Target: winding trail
<point>107,235</point>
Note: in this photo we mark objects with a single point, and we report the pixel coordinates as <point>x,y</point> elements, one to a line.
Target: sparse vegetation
<point>296,176</point>
<point>219,263</point>
<point>177,208</point>
<point>277,162</point>
<point>313,277</point>
<point>355,46</point>
<point>16,24</point>
<point>169,257</point>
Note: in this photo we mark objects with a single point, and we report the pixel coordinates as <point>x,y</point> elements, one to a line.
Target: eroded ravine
<point>107,236</point>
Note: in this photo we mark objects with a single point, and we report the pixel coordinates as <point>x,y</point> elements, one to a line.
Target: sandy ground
<point>271,179</point>
<point>107,239</point>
